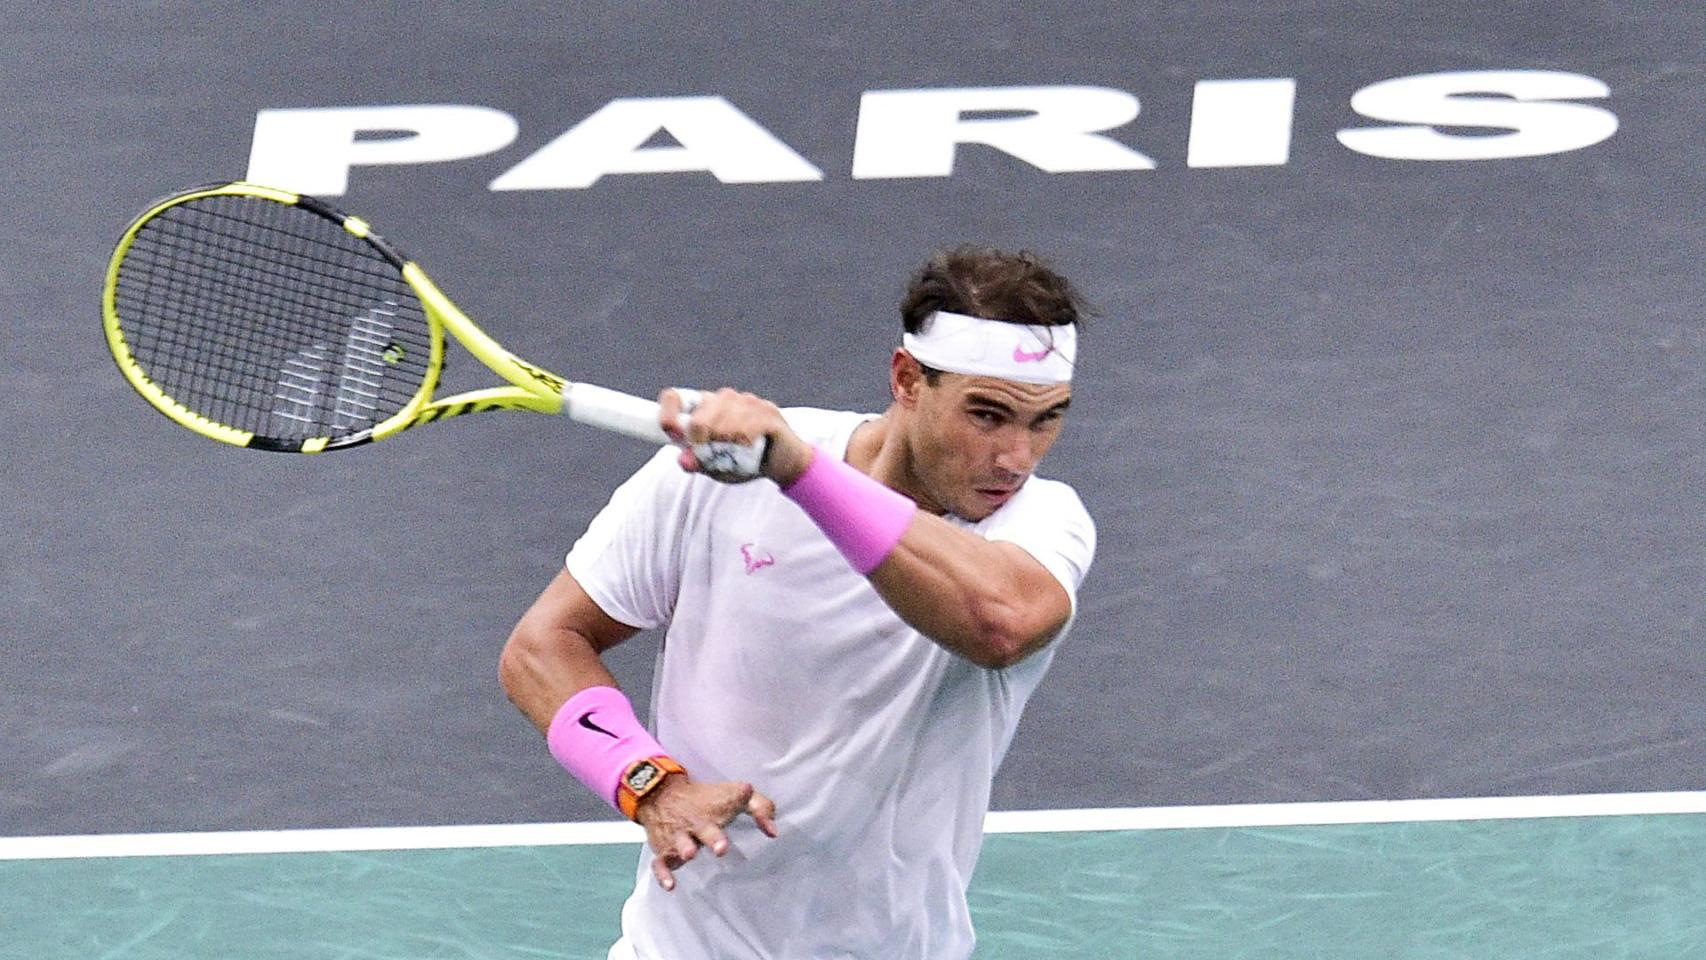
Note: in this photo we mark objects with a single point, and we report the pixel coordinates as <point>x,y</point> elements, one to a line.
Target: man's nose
<point>1016,454</point>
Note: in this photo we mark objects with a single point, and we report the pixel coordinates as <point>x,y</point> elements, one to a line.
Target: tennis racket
<point>270,320</point>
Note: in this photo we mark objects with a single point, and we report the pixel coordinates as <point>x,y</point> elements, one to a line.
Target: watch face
<point>642,776</point>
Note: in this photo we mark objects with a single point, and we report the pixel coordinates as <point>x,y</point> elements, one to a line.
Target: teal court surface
<point>1619,876</point>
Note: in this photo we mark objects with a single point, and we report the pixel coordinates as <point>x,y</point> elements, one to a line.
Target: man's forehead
<point>1040,396</point>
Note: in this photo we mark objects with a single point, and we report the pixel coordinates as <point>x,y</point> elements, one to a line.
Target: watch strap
<point>640,779</point>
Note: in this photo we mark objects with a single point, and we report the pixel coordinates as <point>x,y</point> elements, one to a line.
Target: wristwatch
<point>640,779</point>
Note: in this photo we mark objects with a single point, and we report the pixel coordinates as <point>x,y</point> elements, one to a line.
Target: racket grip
<point>627,414</point>
<point>731,461</point>
<point>613,410</point>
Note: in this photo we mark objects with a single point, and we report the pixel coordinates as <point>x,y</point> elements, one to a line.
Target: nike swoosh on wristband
<point>586,721</point>
<point>1021,355</point>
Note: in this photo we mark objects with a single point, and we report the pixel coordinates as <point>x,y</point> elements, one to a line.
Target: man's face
<point>975,440</point>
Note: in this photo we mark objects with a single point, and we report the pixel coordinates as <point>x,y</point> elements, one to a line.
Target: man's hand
<point>680,816</point>
<point>731,416</point>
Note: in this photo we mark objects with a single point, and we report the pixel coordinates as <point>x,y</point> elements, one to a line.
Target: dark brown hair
<point>991,284</point>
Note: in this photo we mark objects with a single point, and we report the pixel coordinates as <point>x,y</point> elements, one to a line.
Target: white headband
<point>994,348</point>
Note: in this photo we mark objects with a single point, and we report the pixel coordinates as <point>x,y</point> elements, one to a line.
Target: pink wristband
<point>596,737</point>
<point>863,518</point>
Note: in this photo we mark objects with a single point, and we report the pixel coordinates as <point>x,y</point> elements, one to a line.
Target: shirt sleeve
<point>629,559</point>
<point>1050,523</point>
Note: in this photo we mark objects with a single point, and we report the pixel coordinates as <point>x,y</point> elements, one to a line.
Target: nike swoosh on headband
<point>959,343</point>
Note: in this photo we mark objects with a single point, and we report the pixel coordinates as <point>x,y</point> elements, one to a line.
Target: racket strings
<point>271,318</point>
<point>213,355</point>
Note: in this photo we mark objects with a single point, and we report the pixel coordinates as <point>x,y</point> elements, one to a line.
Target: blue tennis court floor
<point>1483,880</point>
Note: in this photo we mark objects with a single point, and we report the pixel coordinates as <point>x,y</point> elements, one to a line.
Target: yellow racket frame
<point>530,387</point>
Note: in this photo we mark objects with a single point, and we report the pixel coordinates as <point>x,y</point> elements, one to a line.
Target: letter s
<point>1522,103</point>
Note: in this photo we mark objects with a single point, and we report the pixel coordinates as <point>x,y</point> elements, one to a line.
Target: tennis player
<point>850,639</point>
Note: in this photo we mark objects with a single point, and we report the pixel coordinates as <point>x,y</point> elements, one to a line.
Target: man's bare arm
<point>553,652</point>
<point>987,601</point>
<point>990,602</point>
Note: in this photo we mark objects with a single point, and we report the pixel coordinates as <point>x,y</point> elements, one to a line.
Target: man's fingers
<point>725,415</point>
<point>661,871</point>
<point>706,413</point>
<point>674,846</point>
<point>712,836</point>
<point>732,799</point>
<point>669,414</point>
<point>763,812</point>
<point>700,823</point>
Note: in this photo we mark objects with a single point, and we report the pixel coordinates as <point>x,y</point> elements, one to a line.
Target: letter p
<point>312,150</point>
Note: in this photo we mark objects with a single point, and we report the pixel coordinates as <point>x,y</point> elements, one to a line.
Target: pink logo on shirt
<point>1021,355</point>
<point>754,561</point>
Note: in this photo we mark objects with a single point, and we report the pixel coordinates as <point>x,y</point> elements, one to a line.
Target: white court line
<point>355,839</point>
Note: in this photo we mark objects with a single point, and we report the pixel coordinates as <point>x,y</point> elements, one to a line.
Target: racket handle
<point>627,414</point>
<point>613,410</point>
<point>733,461</point>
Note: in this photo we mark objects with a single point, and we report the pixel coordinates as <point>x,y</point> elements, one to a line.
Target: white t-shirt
<point>783,667</point>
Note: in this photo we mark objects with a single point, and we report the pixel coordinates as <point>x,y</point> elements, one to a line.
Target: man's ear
<point>906,378</point>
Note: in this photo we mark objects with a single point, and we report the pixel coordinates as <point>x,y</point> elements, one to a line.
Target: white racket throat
<point>613,410</point>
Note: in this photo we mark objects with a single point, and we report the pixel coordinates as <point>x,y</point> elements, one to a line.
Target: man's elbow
<point>1002,640</point>
<point>517,662</point>
<point>997,654</point>
<point>1003,635</point>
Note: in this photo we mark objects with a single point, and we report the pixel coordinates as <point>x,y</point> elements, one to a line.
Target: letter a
<point>714,136</point>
